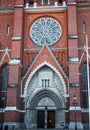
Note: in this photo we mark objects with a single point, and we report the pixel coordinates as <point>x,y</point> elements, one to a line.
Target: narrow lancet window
<point>84,27</point>
<point>84,86</point>
<point>8,29</point>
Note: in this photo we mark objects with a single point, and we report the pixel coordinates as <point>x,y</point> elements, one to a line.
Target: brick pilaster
<point>15,63</point>
<point>73,62</point>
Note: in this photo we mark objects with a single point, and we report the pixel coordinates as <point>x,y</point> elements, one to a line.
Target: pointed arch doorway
<point>45,99</point>
<point>46,110</point>
<point>46,118</point>
<point>46,113</point>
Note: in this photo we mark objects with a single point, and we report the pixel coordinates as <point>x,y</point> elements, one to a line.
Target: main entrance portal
<point>45,99</point>
<point>46,119</point>
<point>45,112</point>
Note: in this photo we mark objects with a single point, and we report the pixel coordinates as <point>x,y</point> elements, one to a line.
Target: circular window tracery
<point>45,31</point>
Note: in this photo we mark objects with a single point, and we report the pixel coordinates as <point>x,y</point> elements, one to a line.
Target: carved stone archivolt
<point>45,90</point>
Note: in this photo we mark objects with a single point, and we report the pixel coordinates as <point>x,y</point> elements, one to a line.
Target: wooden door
<point>51,119</point>
<point>40,118</point>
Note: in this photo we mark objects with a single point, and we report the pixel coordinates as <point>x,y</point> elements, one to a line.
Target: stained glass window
<point>45,31</point>
<point>84,86</point>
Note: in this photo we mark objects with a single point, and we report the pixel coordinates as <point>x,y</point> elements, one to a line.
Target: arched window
<point>4,85</point>
<point>84,86</point>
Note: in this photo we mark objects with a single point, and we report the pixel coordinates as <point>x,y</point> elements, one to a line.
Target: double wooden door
<point>45,119</point>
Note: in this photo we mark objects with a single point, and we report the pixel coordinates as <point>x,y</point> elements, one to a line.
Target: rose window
<point>45,31</point>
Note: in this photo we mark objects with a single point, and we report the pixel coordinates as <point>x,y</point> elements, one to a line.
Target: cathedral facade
<point>44,64</point>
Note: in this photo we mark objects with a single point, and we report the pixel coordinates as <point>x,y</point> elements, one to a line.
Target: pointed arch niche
<point>45,89</point>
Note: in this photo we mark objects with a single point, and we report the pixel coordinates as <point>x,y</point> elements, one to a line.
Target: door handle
<point>50,121</point>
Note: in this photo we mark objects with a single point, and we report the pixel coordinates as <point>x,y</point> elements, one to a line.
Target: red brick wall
<point>12,116</point>
<point>72,18</point>
<point>6,2</point>
<point>83,16</point>
<point>72,47</point>
<point>5,20</point>
<point>62,43</point>
<point>13,71</point>
<point>19,1</point>
<point>73,73</point>
<point>11,97</point>
<point>16,50</point>
<point>18,22</point>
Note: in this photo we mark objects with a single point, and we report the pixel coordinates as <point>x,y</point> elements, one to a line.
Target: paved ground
<point>49,129</point>
<point>85,128</point>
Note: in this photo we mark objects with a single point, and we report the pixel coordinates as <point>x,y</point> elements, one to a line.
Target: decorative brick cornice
<point>73,84</point>
<point>73,108</point>
<point>18,5</point>
<point>6,10</point>
<point>73,59</point>
<point>83,7</point>
<point>12,85</point>
<point>16,38</point>
<point>14,61</point>
<point>71,3</point>
<point>73,36</point>
<point>45,8</point>
<point>85,110</point>
<point>13,108</point>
